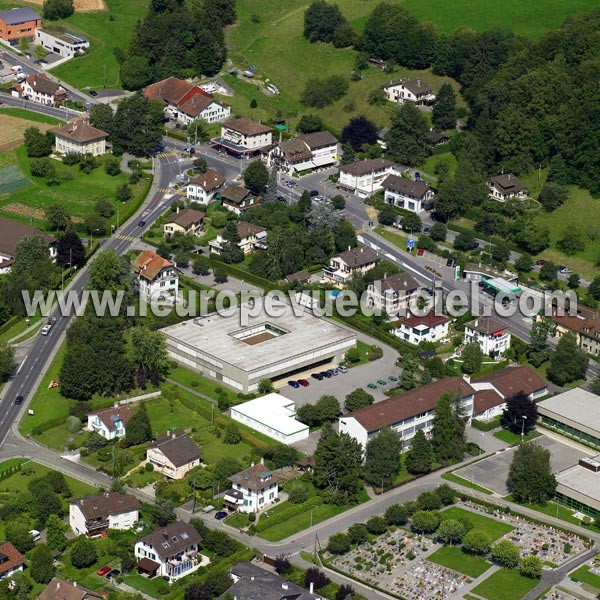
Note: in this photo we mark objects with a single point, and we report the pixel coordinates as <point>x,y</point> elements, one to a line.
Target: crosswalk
<point>163,190</point>
<point>180,192</point>
<point>129,238</point>
<point>166,154</point>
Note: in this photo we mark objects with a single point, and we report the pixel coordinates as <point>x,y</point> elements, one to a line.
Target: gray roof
<point>18,15</point>
<point>172,539</point>
<point>414,189</point>
<point>105,504</point>
<point>177,447</point>
<point>577,405</point>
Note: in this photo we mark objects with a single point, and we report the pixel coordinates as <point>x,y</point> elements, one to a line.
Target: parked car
<point>303,382</point>
<point>450,262</point>
<point>342,369</point>
<point>113,573</point>
<point>293,383</point>
<point>393,378</point>
<point>371,386</point>
<point>19,399</point>
<point>103,571</point>
<point>220,515</point>
<point>382,382</point>
<point>420,251</point>
<point>426,231</point>
<point>317,376</point>
<point>93,93</point>
<point>326,374</point>
<point>313,193</point>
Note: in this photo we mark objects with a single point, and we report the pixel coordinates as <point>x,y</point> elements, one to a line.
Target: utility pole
<point>104,85</point>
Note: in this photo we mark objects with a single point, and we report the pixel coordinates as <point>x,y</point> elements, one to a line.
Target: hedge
<point>245,275</point>
<point>10,323</point>
<point>287,514</point>
<point>9,472</point>
<point>49,424</point>
<point>494,239</point>
<point>486,425</point>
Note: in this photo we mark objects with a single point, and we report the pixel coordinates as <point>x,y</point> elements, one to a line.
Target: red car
<point>420,251</point>
<point>540,262</point>
<point>303,382</point>
<point>105,570</point>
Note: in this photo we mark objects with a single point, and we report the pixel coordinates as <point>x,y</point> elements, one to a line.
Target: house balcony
<point>95,526</point>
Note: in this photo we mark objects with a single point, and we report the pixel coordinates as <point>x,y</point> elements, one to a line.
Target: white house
<point>172,552</point>
<point>274,415</point>
<point>243,137</point>
<point>79,137</point>
<point>407,413</point>
<point>173,454</point>
<point>409,90</point>
<point>344,265</point>
<point>203,188</point>
<point>185,222</point>
<point>64,44</point>
<point>253,489</point>
<point>416,196</point>
<point>490,335</point>
<point>304,153</point>
<point>92,515</point>
<point>392,295</point>
<point>415,329</point>
<point>252,237</point>
<point>237,198</point>
<point>506,187</point>
<point>41,89</point>
<point>110,422</point>
<point>365,177</point>
<point>202,106</point>
<point>11,560</point>
<point>157,278</point>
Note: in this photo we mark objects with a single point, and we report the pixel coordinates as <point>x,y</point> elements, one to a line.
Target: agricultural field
<point>13,127</point>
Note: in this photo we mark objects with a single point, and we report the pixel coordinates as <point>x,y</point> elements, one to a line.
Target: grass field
<point>495,529</point>
<point>454,558</point>
<point>583,574</point>
<point>505,584</point>
<point>21,113</point>
<point>514,438</point>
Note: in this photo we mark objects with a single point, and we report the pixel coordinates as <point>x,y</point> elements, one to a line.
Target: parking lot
<point>492,472</point>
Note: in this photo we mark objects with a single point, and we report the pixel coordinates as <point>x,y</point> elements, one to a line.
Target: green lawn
<point>505,584</point>
<point>201,384</point>
<point>515,438</point>
<point>583,574</point>
<point>454,558</point>
<point>30,116</point>
<point>465,483</point>
<point>238,520</point>
<point>495,529</point>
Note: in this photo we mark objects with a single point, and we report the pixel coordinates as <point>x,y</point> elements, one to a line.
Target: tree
<point>446,494</point>
<point>407,140</point>
<point>224,10</point>
<point>256,176</point>
<point>382,458</point>
<point>7,361</point>
<point>465,241</point>
<point>344,592</point>
<point>568,362</point>
<point>58,9</point>
<point>520,413</point>
<point>574,281</point>
<point>506,553</point>
<point>357,399</point>
<point>17,533</point>
<point>149,353</point>
<point>412,223</point>
<point>396,514</point>
<point>476,541</point>
<point>123,192</point>
<point>298,494</point>
<point>231,251</point>
<point>450,532</point>
<point>500,253</point>
<point>443,115</point>
<point>344,236</point>
<point>139,429</point>
<point>448,429</point>
<point>232,434</point>
<point>112,165</point>
<point>101,117</point>
<point>162,511</point>
<point>530,477</point>
<point>359,132</point>
<point>24,45</point>
<point>32,259</point>
<point>215,584</point>
<point>553,195</point>
<point>524,263</point>
<point>37,144</point>
<point>57,217</point>
<point>328,408</point>
<point>376,525</point>
<point>70,250</point>
<point>548,271</point>
<point>531,566</point>
<point>310,123</point>
<point>339,543</point>
<point>472,357</point>
<point>282,564</point>
<point>357,534</point>
<point>225,468</point>
<point>319,93</point>
<point>265,386</point>
<point>387,215</point>
<point>108,272</point>
<point>338,202</point>
<point>41,564</point>
<point>571,241</point>
<point>316,577</point>
<point>419,458</point>
<point>438,232</point>
<point>425,521</point>
<point>39,52</point>
<point>429,501</point>
<point>83,553</point>
<point>321,20</point>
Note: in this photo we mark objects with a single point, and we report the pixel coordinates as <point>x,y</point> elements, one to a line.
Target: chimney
<point>262,461</point>
<point>312,587</point>
<point>74,584</point>
<point>58,585</point>
<point>251,464</point>
<point>419,82</point>
<point>476,322</point>
<point>178,210</point>
<point>165,533</point>
<point>284,585</point>
<point>467,378</point>
<point>349,248</point>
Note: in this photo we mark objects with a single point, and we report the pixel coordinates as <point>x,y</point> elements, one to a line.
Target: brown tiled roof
<point>357,257</point>
<point>58,589</point>
<point>234,193</point>
<point>512,380</point>
<point>429,320</point>
<point>399,282</point>
<point>44,85</point>
<point>13,558</point>
<point>318,139</point>
<point>486,399</point>
<point>170,90</point>
<point>11,232</point>
<point>177,447</point>
<point>247,127</point>
<point>416,189</point>
<point>149,264</point>
<point>245,229</point>
<point>197,103</point>
<point>172,539</point>
<point>399,408</point>
<point>186,217</point>
<point>105,504</point>
<point>109,415</point>
<point>507,183</point>
<point>300,276</point>
<point>362,167</point>
<point>79,130</point>
<point>585,322</point>
<point>295,149</point>
<point>148,565</point>
<point>486,325</point>
<point>255,477</point>
<point>209,181</point>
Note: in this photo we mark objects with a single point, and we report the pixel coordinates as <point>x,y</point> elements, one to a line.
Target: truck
<point>48,326</point>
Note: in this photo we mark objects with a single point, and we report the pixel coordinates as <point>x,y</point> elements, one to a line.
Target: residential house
<point>11,560</point>
<point>392,295</point>
<point>63,43</point>
<point>111,422</point>
<point>409,90</point>
<point>40,89</point>
<point>18,23</point>
<point>251,582</point>
<point>185,222</point>
<point>11,232</point>
<point>506,187</point>
<point>173,454</point>
<point>59,589</point>
<point>203,188</point>
<point>488,404</point>
<point>253,489</point>
<point>407,413</point>
<point>185,102</point>
<point>252,237</point>
<point>171,552</point>
<point>304,153</point>
<point>79,137</point>
<point>584,325</point>
<point>93,515</point>
<point>299,277</point>
<point>157,278</point>
<point>415,329</point>
<point>437,139</point>
<point>243,137</point>
<point>237,198</point>
<point>344,265</point>
<point>416,196</point>
<point>489,334</point>
<point>365,177</point>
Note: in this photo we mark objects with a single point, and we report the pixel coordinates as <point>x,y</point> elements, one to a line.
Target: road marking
<point>21,365</point>
<point>128,238</point>
<point>166,154</point>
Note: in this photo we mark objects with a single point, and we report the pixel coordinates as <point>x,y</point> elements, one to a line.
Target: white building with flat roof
<point>579,486</point>
<point>274,415</point>
<point>271,344</point>
<point>61,42</point>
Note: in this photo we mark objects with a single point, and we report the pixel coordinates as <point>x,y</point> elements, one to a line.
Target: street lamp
<point>522,427</point>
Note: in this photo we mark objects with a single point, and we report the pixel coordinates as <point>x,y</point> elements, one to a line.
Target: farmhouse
<point>18,23</point>
<point>506,187</point>
<point>186,222</point>
<point>157,278</point>
<point>344,265</point>
<point>62,43</point>
<point>252,237</point>
<point>253,489</point>
<point>274,415</point>
<point>40,89</point>
<point>173,454</point>
<point>110,422</point>
<point>392,294</point>
<point>11,232</point>
<point>490,335</point>
<point>79,137</point>
<point>11,560</point>
<point>415,329</point>
<point>416,196</point>
<point>93,515</point>
<point>264,347</point>
<point>237,198</point>
<point>242,137</point>
<point>409,90</point>
<point>203,188</point>
<point>365,177</point>
<point>303,153</point>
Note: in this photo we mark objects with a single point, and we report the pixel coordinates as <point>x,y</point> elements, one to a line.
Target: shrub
<point>149,467</point>
<point>298,494</point>
<point>73,424</point>
<point>376,525</point>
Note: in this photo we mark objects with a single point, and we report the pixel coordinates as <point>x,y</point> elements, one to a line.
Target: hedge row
<point>10,323</point>
<point>287,514</point>
<point>494,239</point>
<point>49,424</point>
<point>245,275</point>
<point>486,425</point>
<point>388,338</point>
<point>8,472</point>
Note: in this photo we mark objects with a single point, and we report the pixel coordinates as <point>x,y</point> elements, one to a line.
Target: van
<point>208,509</point>
<point>46,329</point>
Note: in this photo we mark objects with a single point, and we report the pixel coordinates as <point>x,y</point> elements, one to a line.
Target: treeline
<point>176,39</point>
